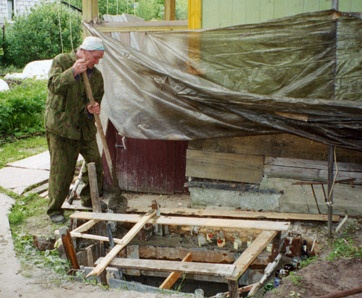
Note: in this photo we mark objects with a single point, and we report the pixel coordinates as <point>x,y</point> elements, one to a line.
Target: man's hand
<point>79,66</point>
<point>94,108</point>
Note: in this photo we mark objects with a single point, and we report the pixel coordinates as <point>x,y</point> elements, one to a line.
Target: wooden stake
<point>93,185</point>
<point>174,276</point>
<point>69,249</point>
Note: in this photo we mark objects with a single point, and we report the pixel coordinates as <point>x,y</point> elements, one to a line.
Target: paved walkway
<point>19,175</point>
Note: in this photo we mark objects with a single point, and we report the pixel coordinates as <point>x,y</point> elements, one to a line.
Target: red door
<point>150,166</point>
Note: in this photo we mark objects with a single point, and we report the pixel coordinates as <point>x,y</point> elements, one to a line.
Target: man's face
<point>93,57</point>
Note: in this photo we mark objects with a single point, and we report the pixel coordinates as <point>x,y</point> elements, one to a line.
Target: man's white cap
<point>92,43</point>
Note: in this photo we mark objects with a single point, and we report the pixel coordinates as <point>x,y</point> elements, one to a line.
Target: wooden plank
<point>85,227</point>
<point>125,240</point>
<point>187,221</point>
<point>221,213</point>
<point>251,253</point>
<point>224,166</point>
<point>94,237</point>
<point>312,164</point>
<point>281,145</point>
<point>299,173</point>
<point>174,276</point>
<point>170,266</point>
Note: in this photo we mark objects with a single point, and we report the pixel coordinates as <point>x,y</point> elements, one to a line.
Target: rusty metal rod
<point>344,293</point>
<point>330,188</point>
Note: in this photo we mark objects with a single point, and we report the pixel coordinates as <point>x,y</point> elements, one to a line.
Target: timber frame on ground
<point>268,231</point>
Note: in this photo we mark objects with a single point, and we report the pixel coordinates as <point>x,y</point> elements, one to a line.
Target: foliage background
<point>22,110</point>
<point>49,29</point>
<point>53,28</point>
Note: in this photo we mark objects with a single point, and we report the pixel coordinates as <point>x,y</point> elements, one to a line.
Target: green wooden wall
<point>223,13</point>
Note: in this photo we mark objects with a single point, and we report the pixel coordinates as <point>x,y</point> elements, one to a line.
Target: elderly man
<point>69,121</point>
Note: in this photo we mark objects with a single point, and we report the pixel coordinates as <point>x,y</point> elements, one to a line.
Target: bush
<point>48,29</point>
<point>22,109</point>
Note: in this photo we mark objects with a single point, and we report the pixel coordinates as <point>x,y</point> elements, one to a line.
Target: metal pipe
<point>335,4</point>
<point>330,188</point>
<point>344,293</point>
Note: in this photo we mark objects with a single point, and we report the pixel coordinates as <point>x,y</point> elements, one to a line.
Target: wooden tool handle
<point>102,136</point>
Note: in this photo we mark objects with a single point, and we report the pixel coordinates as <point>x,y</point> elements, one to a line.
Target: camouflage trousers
<point>63,159</point>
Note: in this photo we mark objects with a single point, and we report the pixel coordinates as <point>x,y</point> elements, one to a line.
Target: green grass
<point>20,149</point>
<point>344,247</point>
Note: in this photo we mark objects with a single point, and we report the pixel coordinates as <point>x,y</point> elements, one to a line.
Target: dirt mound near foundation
<point>320,278</point>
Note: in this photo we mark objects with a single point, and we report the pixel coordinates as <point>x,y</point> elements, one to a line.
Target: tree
<point>47,30</point>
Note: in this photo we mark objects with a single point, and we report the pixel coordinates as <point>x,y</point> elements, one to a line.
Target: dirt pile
<point>320,278</point>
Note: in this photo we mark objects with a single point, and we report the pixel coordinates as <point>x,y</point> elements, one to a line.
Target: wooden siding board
<point>239,13</point>
<point>313,5</point>
<point>350,5</point>
<point>252,11</point>
<point>281,8</point>
<point>325,4</point>
<point>210,13</point>
<point>296,7</point>
<point>225,11</point>
<point>222,13</point>
<point>224,166</point>
<point>310,170</point>
<point>266,12</point>
<point>281,145</point>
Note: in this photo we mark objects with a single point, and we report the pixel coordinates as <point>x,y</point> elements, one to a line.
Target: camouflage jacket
<point>65,112</point>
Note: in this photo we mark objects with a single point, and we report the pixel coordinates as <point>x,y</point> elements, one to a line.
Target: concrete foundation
<point>280,195</point>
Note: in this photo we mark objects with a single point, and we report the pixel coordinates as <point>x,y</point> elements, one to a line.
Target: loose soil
<point>321,278</point>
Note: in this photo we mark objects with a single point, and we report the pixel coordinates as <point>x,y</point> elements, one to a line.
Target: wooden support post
<point>90,10</point>
<point>174,276</point>
<point>126,239</point>
<point>92,174</point>
<point>170,10</point>
<point>233,289</point>
<point>195,14</point>
<point>69,250</point>
<point>246,258</point>
<point>100,228</point>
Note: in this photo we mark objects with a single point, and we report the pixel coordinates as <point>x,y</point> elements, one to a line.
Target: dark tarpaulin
<point>299,75</point>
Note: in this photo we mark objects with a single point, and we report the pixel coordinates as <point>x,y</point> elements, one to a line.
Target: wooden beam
<point>170,266</point>
<point>251,253</point>
<point>155,26</point>
<point>187,221</point>
<point>125,240</point>
<point>221,213</point>
<point>174,276</point>
<point>224,166</point>
<point>85,227</point>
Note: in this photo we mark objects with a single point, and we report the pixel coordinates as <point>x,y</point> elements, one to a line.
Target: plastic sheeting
<point>301,75</point>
